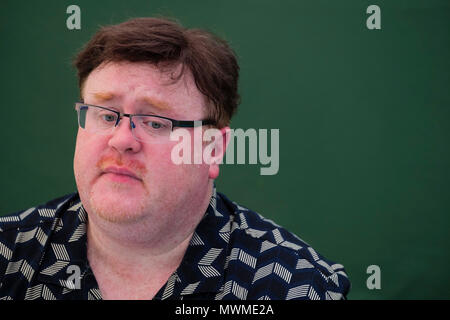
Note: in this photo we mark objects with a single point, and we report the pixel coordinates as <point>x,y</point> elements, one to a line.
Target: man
<point>142,226</point>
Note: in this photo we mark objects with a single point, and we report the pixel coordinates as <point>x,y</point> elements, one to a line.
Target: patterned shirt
<point>234,254</point>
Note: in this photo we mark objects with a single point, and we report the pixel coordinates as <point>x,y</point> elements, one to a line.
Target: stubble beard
<point>117,208</point>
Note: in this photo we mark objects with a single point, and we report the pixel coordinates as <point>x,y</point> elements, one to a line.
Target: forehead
<point>137,85</point>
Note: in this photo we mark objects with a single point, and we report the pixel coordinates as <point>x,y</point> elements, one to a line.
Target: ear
<point>215,151</point>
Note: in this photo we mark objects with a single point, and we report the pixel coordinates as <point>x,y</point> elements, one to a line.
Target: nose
<point>122,138</point>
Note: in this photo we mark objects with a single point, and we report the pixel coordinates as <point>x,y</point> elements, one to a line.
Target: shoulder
<point>32,216</point>
<point>21,231</point>
<point>274,263</point>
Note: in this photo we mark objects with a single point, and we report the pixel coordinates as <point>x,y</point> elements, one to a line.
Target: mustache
<point>117,161</point>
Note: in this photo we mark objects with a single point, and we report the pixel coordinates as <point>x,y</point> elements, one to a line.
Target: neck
<point>139,249</point>
<point>119,255</point>
<point>124,272</point>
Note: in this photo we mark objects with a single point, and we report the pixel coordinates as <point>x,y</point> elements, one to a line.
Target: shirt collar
<point>202,269</point>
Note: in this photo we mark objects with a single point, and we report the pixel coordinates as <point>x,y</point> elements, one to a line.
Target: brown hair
<point>163,42</point>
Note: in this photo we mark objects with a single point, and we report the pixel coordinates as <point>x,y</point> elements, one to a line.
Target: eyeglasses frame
<point>120,115</point>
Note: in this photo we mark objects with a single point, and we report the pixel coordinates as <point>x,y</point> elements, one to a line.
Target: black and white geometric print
<point>234,254</point>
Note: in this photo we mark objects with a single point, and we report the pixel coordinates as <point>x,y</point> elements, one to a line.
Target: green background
<point>363,116</point>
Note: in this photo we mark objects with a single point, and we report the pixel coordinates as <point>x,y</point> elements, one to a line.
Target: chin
<point>117,207</point>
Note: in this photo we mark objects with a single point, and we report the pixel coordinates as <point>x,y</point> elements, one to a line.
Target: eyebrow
<point>159,104</point>
<point>103,96</point>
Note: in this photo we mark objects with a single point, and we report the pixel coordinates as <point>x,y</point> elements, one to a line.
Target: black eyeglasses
<point>145,127</point>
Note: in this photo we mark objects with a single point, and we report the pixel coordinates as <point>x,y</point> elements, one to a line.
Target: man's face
<point>124,180</point>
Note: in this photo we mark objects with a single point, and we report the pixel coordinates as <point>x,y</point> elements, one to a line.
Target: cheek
<point>87,153</point>
<point>161,168</point>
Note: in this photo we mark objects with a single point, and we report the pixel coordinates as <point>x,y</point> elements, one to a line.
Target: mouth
<point>120,173</point>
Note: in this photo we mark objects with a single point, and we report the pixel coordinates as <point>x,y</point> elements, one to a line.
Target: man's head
<point>167,45</point>
<point>156,67</point>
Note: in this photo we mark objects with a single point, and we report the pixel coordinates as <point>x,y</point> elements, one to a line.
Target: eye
<point>155,125</point>
<point>152,124</point>
<point>109,117</point>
